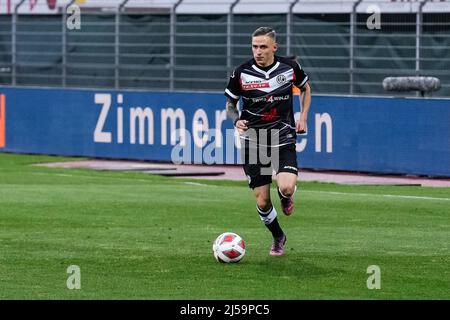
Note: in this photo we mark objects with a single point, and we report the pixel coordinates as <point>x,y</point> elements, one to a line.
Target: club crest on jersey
<point>281,79</point>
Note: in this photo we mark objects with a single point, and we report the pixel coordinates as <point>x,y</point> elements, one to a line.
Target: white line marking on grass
<point>415,197</point>
<point>88,177</point>
<point>199,184</point>
<point>377,194</point>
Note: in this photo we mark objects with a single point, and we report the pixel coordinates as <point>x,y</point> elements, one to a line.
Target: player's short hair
<point>265,31</point>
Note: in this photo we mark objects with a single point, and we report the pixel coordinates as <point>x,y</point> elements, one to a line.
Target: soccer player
<point>267,127</point>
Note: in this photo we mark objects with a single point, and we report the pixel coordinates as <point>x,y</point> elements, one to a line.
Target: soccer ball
<point>229,247</point>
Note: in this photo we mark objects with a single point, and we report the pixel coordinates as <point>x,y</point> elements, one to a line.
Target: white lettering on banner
<point>221,116</point>
<point>174,134</point>
<point>99,134</point>
<point>300,146</point>
<point>203,134</point>
<point>141,115</point>
<point>200,126</point>
<point>320,119</point>
<point>141,119</point>
<point>119,119</point>
<point>324,118</point>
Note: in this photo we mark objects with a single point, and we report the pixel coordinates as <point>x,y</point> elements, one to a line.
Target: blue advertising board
<point>364,134</point>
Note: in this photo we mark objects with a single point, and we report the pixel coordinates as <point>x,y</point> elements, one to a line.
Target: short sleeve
<point>233,89</point>
<point>300,76</point>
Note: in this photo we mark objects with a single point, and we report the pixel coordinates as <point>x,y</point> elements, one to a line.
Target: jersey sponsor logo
<point>2,121</point>
<point>251,82</point>
<point>270,98</point>
<point>277,98</point>
<point>255,84</point>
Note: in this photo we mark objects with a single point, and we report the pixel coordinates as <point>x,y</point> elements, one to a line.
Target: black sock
<point>275,228</point>
<point>273,225</point>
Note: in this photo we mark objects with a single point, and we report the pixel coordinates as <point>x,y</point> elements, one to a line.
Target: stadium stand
<point>193,45</point>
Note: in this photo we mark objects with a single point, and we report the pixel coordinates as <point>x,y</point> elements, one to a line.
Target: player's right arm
<point>233,114</point>
<point>233,93</point>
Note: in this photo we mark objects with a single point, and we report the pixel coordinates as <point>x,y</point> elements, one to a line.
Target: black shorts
<point>260,162</point>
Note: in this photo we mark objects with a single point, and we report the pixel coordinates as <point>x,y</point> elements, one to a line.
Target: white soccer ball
<point>229,247</point>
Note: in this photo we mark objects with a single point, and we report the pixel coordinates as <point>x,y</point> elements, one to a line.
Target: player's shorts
<point>259,165</point>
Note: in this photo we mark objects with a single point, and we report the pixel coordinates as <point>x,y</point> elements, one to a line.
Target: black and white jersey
<point>267,95</point>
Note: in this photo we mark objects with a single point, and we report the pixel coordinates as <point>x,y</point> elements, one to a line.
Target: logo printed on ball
<point>229,248</point>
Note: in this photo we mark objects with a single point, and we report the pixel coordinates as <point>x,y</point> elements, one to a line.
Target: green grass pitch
<point>139,236</point>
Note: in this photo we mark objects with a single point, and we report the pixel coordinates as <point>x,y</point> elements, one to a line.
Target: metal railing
<point>167,51</point>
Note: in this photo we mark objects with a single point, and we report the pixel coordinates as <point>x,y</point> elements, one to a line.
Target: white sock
<point>268,216</point>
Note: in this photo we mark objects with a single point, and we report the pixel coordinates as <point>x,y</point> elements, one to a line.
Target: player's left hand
<point>300,126</point>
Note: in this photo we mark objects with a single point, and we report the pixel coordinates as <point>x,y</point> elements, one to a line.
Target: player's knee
<point>263,203</point>
<point>287,190</point>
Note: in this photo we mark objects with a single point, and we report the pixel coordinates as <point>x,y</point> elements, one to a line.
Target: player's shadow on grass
<point>295,266</point>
